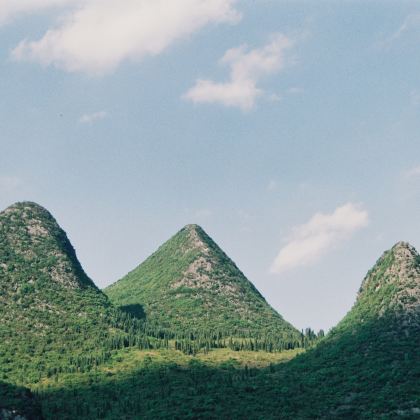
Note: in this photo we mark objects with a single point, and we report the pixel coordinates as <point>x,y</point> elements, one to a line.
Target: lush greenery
<point>80,357</point>
<point>52,315</point>
<point>190,284</point>
<point>368,374</point>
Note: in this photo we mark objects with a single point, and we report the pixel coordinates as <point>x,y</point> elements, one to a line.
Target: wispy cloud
<point>412,21</point>
<point>247,68</point>
<point>310,241</point>
<point>93,117</point>
<point>410,25</point>
<point>96,36</point>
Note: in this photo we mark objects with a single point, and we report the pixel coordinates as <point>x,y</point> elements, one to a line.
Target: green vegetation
<point>67,352</point>
<point>190,284</point>
<point>53,318</point>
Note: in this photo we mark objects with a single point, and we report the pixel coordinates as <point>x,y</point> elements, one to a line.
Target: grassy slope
<point>190,283</point>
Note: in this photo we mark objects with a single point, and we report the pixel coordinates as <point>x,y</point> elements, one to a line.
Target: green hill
<point>368,367</point>
<point>190,284</point>
<point>80,357</point>
<point>52,315</point>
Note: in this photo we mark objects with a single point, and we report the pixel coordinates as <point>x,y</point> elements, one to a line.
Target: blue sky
<point>289,130</point>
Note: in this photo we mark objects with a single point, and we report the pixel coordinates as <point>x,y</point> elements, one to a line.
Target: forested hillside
<point>53,317</point>
<point>193,337</point>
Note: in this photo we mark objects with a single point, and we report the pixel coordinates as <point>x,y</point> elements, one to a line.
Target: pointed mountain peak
<point>194,231</point>
<point>193,228</point>
<point>195,234</point>
<point>403,250</point>
<point>189,282</point>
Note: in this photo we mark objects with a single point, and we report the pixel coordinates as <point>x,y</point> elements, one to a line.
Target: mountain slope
<point>52,315</point>
<point>390,290</point>
<point>369,365</point>
<point>190,283</point>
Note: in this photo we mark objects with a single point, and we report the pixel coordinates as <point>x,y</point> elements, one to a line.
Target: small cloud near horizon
<point>247,68</point>
<point>310,241</point>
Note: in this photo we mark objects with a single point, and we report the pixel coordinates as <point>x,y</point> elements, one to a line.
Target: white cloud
<point>247,67</point>
<point>91,118</point>
<point>95,36</point>
<point>312,240</point>
<point>10,10</point>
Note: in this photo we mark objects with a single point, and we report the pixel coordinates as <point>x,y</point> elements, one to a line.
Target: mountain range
<point>187,335</point>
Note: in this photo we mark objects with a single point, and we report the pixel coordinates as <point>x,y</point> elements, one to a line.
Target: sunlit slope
<point>189,283</point>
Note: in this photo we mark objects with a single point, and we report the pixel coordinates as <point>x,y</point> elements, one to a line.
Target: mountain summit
<point>32,243</point>
<point>190,283</point>
<point>50,311</point>
<point>390,290</point>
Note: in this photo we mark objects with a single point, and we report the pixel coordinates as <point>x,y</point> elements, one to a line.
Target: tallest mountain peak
<point>190,283</point>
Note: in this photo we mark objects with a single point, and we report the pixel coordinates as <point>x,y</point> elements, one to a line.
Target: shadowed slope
<point>18,403</point>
